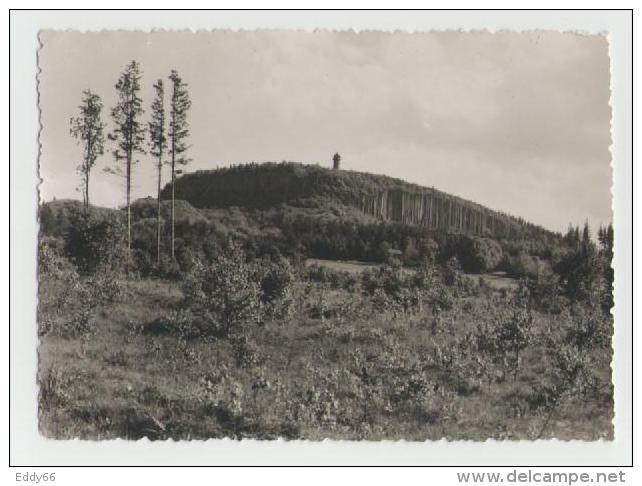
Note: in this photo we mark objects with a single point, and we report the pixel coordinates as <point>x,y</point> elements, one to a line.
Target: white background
<point>28,448</point>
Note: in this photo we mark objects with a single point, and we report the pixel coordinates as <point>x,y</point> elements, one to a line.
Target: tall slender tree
<point>158,144</point>
<point>128,133</point>
<point>586,235</point>
<point>178,132</point>
<point>87,129</point>
<point>605,237</point>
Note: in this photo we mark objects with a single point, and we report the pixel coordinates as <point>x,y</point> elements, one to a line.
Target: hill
<point>261,186</point>
<point>300,210</point>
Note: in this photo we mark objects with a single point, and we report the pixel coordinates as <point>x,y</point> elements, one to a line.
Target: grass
<point>351,373</point>
<point>496,280</point>
<point>350,266</point>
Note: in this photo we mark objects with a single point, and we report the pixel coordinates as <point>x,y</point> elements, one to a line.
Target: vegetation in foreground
<point>242,346</point>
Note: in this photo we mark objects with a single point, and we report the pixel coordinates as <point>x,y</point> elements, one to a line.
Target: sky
<point>518,122</point>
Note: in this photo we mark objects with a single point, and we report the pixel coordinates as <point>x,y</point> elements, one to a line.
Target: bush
<point>143,263</point>
<point>51,259</point>
<point>431,282</point>
<point>571,378</point>
<point>452,273</point>
<point>95,243</point>
<point>180,323</point>
<point>426,277</point>
<point>224,293</point>
<point>522,265</point>
<point>546,292</point>
<point>390,289</point>
<point>276,280</point>
<point>144,239</point>
<point>590,328</point>
<point>504,336</point>
<point>475,254</point>
<point>168,268</point>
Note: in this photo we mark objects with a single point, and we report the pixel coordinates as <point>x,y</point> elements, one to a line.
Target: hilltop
<point>264,186</point>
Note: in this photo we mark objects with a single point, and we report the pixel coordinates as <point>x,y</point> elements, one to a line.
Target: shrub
<point>476,255</point>
<point>391,289</point>
<point>452,273</point>
<point>95,243</point>
<point>441,297</point>
<point>522,265</point>
<point>179,322</point>
<point>168,268</point>
<point>224,293</point>
<point>51,260</point>
<point>590,327</point>
<point>276,280</point>
<point>316,273</point>
<point>143,263</point>
<point>504,336</point>
<point>546,292</point>
<point>570,377</point>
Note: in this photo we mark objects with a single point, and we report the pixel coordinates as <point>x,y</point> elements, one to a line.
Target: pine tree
<point>128,132</point>
<point>158,144</point>
<point>609,272</point>
<point>178,132</point>
<point>608,237</point>
<point>88,130</point>
<point>572,237</point>
<point>586,237</point>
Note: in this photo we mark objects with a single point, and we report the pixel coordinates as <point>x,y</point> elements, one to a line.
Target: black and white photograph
<point>312,246</point>
<point>325,235</point>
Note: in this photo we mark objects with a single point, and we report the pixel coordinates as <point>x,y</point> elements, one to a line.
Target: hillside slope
<point>261,186</point>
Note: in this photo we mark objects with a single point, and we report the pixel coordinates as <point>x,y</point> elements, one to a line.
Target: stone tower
<point>336,161</point>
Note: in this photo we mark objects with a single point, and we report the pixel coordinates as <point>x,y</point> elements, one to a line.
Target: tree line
<point>164,136</point>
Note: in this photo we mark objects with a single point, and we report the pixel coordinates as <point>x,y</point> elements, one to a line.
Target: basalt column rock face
<point>391,200</point>
<point>435,211</point>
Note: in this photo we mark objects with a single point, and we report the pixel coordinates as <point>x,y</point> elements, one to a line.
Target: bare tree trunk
<point>85,170</point>
<point>158,200</point>
<point>173,179</point>
<point>84,193</point>
<point>129,214</point>
<point>129,157</point>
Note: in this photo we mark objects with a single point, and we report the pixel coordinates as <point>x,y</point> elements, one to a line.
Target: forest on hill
<point>265,185</point>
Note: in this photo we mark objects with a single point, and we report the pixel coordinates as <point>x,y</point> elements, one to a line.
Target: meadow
<point>279,348</point>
